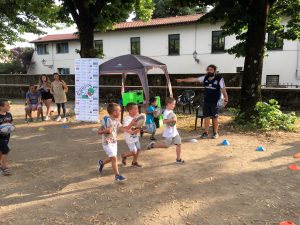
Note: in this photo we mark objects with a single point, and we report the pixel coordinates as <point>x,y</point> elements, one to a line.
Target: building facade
<point>185,44</point>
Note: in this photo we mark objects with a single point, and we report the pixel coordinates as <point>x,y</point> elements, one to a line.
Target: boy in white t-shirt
<point>131,137</point>
<point>170,134</point>
<point>109,129</point>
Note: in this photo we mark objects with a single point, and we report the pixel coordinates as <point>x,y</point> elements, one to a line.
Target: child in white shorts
<point>131,135</point>
<point>170,134</point>
<point>109,129</point>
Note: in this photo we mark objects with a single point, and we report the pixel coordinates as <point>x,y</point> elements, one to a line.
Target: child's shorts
<point>134,147</point>
<point>151,128</point>
<point>4,149</point>
<point>175,141</point>
<point>111,149</point>
<point>33,107</point>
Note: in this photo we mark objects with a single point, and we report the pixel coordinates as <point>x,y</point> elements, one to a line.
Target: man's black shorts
<point>4,149</point>
<point>210,109</point>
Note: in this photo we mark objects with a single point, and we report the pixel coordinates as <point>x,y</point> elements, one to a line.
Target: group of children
<point>110,126</point>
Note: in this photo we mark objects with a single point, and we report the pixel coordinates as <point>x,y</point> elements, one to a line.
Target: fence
<point>15,86</point>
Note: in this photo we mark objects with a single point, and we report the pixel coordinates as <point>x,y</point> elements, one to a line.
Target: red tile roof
<point>127,25</point>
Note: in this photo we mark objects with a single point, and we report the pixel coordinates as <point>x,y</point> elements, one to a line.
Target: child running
<point>170,134</point>
<point>5,117</point>
<point>150,123</point>
<point>131,137</point>
<point>109,129</point>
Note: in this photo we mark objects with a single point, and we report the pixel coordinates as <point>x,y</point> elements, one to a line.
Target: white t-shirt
<point>222,82</point>
<point>169,132</point>
<point>129,138</point>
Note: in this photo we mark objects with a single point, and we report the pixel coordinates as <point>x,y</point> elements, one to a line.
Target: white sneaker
<point>47,118</point>
<point>64,120</point>
<point>58,119</point>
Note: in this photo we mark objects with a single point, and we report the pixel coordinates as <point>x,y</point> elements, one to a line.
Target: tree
<point>16,60</point>
<point>168,8</point>
<point>99,15</point>
<point>19,16</point>
<point>250,20</point>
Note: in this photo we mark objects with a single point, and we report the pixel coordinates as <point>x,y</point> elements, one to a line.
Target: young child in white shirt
<point>131,135</point>
<point>170,134</point>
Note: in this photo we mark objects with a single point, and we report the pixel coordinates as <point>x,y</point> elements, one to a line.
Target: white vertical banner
<point>87,89</point>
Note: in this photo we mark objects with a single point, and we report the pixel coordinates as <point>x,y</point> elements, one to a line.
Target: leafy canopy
<point>26,16</point>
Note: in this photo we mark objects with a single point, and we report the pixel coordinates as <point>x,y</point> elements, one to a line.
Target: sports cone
<point>41,129</point>
<point>297,156</point>
<point>294,167</point>
<point>260,149</point>
<point>287,223</point>
<point>225,142</point>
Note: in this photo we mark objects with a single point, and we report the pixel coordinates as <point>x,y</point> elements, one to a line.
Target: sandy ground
<point>55,179</point>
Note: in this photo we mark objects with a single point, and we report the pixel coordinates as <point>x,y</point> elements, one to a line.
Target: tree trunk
<point>86,37</point>
<point>253,65</point>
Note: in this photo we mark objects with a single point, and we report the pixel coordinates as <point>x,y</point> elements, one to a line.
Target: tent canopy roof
<point>130,64</point>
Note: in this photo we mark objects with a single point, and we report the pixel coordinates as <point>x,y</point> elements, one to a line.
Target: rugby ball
<point>171,116</point>
<point>157,112</point>
<point>220,103</point>
<point>7,128</point>
<point>140,121</point>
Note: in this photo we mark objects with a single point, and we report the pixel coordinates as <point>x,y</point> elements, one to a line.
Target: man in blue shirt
<point>214,89</point>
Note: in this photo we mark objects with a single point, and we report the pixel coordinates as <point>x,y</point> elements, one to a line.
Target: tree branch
<point>69,4</point>
<point>98,7</point>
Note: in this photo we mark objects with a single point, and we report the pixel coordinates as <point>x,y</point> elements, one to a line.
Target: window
<point>99,46</point>
<point>62,47</point>
<point>42,49</point>
<point>135,46</point>
<point>274,42</point>
<point>174,44</point>
<point>272,81</point>
<point>63,70</point>
<point>218,42</point>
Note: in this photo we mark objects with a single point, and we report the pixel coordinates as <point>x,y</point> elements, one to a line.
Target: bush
<point>268,116</point>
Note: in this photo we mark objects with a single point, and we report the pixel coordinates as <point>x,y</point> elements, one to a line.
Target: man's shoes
<point>204,135</point>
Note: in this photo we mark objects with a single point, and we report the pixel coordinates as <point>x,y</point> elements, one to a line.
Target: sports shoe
<point>39,120</point>
<point>204,135</point>
<point>215,136</point>
<point>100,166</point>
<point>5,172</point>
<point>150,145</point>
<point>29,120</point>
<point>180,161</point>
<point>64,120</point>
<point>47,118</point>
<point>136,164</point>
<point>153,139</point>
<point>123,160</point>
<point>119,178</point>
<point>58,119</point>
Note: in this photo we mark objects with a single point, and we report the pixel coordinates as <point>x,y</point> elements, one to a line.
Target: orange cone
<point>287,223</point>
<point>294,167</point>
<point>297,156</point>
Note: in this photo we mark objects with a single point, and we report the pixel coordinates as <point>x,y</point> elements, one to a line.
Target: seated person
<point>33,101</point>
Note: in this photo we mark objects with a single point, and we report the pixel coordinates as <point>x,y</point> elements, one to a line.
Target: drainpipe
<point>298,63</point>
<point>53,70</point>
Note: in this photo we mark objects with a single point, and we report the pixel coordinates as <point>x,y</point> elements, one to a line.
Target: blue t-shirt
<point>150,117</point>
<point>33,97</point>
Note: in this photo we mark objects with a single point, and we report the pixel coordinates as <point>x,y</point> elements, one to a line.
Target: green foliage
<point>12,68</point>
<point>21,16</point>
<point>168,8</point>
<point>283,19</point>
<point>268,116</point>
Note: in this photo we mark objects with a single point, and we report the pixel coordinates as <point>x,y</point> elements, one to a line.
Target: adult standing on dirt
<point>59,89</point>
<point>214,88</point>
<point>44,86</point>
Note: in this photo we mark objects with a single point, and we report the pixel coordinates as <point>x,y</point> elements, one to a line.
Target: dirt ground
<point>55,179</point>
